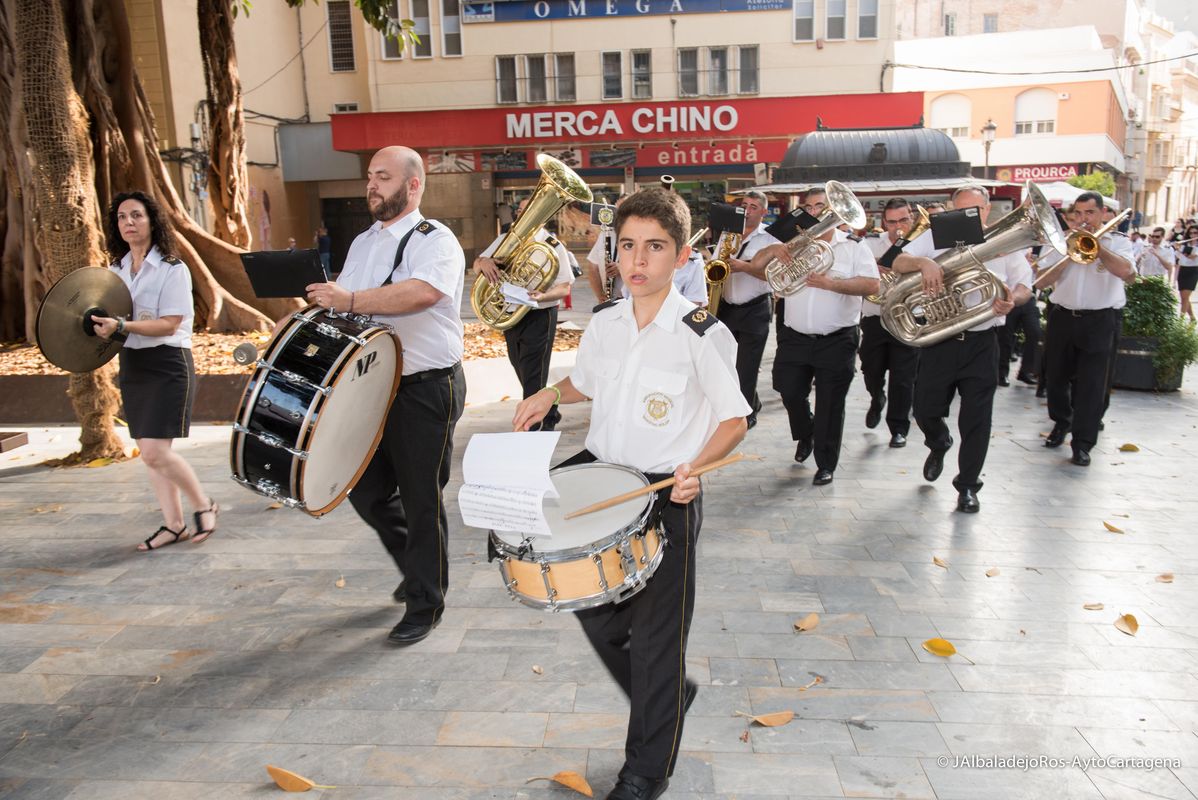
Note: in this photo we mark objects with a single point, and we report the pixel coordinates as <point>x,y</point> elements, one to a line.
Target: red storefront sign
<point>627,123</point>
<point>1037,173</point>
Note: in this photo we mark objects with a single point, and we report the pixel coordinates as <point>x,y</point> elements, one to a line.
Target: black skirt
<point>157,390</point>
<point>1187,278</point>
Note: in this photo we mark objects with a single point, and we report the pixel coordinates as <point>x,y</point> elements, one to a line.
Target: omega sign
<point>645,120</point>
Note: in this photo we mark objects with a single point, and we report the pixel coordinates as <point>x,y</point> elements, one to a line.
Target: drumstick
<point>653,487</point>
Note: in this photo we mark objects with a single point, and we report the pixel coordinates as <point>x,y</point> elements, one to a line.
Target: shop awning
<point>907,186</point>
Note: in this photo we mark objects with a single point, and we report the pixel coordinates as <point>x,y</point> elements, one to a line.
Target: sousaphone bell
<point>65,327</point>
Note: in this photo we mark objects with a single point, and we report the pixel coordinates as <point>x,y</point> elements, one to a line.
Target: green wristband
<point>557,392</point>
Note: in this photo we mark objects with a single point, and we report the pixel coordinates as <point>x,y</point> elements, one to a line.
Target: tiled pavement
<point>182,673</point>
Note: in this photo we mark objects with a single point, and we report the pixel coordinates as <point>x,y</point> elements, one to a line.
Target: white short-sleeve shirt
<point>741,287</point>
<point>660,392</point>
<point>878,245</point>
<point>431,337</point>
<point>1013,270</point>
<point>820,311</point>
<point>161,288</point>
<point>1082,287</point>
<point>564,273</point>
<point>1157,260</point>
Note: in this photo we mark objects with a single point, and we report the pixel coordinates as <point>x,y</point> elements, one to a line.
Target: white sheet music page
<point>518,294</point>
<point>506,480</point>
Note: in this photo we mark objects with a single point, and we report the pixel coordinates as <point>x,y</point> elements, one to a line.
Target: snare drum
<point>583,563</point>
<point>314,409</point>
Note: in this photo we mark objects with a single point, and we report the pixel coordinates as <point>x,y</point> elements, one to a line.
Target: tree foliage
<point>1096,181</point>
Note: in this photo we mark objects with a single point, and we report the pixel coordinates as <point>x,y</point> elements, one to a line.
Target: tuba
<point>525,261</point>
<point>923,224</point>
<point>1081,247</point>
<point>919,320</point>
<point>807,254</point>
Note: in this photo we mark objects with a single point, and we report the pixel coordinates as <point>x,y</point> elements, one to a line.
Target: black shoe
<point>967,501</point>
<point>1056,437</point>
<point>804,449</point>
<point>1041,391</point>
<point>1003,381</point>
<point>751,422</point>
<point>411,632</point>
<point>934,464</point>
<point>401,592</point>
<point>822,477</point>
<point>1029,379</point>
<point>1081,457</point>
<point>898,440</point>
<point>1101,425</point>
<point>874,415</point>
<point>635,787</point>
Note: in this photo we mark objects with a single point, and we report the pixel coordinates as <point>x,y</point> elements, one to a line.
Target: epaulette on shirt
<point>871,235</point>
<point>171,260</point>
<point>699,320</point>
<point>551,240</point>
<point>425,227</point>
<point>854,237</point>
<point>608,304</point>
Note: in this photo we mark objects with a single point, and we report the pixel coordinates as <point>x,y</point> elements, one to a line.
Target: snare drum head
<point>349,421</point>
<point>580,486</point>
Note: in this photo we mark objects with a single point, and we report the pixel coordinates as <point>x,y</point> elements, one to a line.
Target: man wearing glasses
<point>881,352</point>
<point>1158,259</point>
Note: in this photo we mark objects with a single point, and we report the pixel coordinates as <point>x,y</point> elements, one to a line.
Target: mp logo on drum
<point>363,365</point>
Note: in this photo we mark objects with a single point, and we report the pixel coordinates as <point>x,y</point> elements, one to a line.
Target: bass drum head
<point>349,423</point>
<point>580,486</point>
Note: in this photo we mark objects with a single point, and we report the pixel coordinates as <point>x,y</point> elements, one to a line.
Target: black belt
<point>758,299</point>
<point>1085,312</point>
<point>836,332</point>
<point>963,335</point>
<point>428,374</point>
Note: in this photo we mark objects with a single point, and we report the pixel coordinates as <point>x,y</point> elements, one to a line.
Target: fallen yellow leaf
<point>1093,606</point>
<point>537,669</point>
<point>1128,448</point>
<point>288,781</point>
<point>938,561</point>
<point>1127,624</point>
<point>274,506</point>
<point>100,462</point>
<point>505,398</point>
<point>818,679</point>
<point>990,573</point>
<point>1165,577</point>
<point>135,453</point>
<point>571,780</point>
<point>1111,527</point>
<point>340,584</point>
<point>940,647</point>
<point>769,720</point>
<point>808,622</point>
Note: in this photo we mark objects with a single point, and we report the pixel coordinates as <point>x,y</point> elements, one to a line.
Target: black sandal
<point>203,533</point>
<point>179,535</point>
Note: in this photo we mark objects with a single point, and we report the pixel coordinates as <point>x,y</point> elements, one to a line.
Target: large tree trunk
<point>59,190</point>
<point>228,179</point>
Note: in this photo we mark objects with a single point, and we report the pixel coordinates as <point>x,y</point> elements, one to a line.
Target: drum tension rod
<point>271,490</point>
<point>293,378</point>
<point>334,333</point>
<point>271,441</point>
<point>550,592</point>
<point>598,559</point>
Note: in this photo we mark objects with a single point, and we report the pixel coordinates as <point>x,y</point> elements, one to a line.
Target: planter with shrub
<point>1157,344</point>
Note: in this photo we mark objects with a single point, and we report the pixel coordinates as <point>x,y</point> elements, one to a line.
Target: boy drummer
<point>662,376</point>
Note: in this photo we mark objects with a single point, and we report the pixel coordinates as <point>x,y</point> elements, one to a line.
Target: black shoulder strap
<point>424,228</point>
<point>699,320</point>
<point>887,259</point>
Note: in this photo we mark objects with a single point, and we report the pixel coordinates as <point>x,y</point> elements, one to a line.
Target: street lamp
<point>988,139</point>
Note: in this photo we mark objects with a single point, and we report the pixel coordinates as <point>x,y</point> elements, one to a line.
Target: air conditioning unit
<point>1062,95</point>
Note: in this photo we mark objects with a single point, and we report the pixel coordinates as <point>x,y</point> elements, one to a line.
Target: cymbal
<point>65,333</point>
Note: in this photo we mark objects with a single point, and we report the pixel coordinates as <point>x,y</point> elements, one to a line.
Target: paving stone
<point>877,776</point>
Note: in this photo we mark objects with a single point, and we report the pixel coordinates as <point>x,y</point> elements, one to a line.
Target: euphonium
<point>923,224</point>
<point>807,253</point>
<point>718,269</point>
<point>916,319</point>
<point>525,261</point>
<point>1081,247</point>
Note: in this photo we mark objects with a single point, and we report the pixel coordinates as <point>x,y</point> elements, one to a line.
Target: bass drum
<point>314,409</point>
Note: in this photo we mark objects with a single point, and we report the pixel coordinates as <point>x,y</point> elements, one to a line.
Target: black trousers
<point>969,367</point>
<point>1027,319</point>
<point>400,493</point>
<point>529,348</point>
<point>750,325</point>
<point>882,353</point>
<point>642,641</point>
<point>826,361</point>
<point>1079,361</point>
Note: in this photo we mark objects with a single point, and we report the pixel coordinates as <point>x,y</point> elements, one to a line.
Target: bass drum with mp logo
<point>314,409</point>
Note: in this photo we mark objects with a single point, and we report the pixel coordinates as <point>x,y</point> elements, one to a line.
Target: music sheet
<point>506,480</point>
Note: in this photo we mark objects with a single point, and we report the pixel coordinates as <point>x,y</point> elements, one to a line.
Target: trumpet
<point>923,224</point>
<point>806,253</point>
<point>1081,247</point>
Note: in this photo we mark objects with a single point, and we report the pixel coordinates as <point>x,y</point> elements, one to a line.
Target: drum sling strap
<point>423,227</point>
